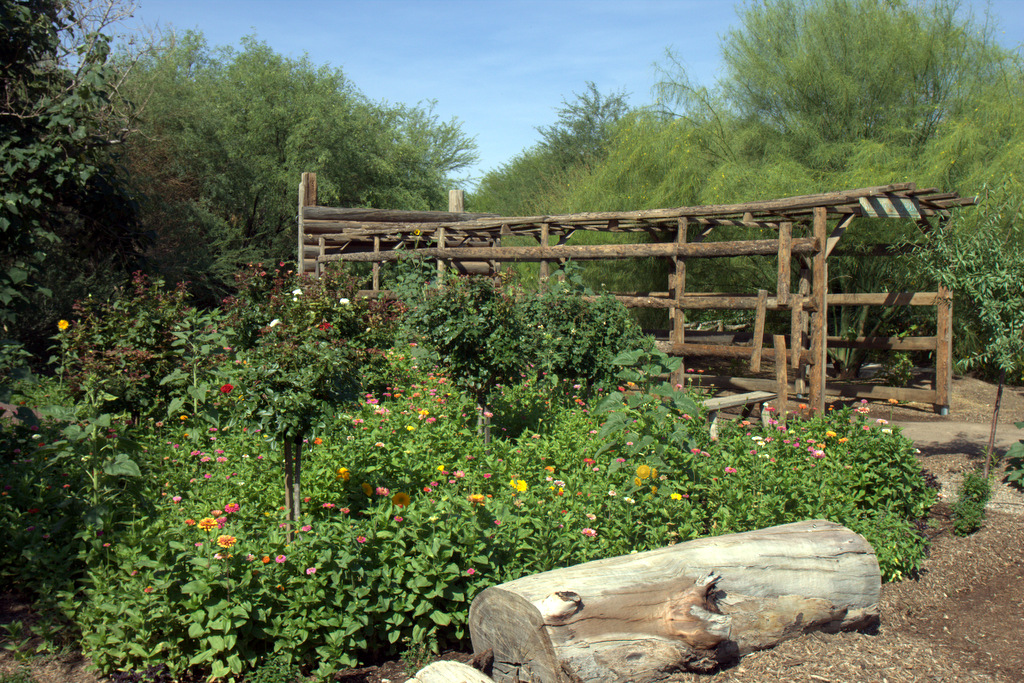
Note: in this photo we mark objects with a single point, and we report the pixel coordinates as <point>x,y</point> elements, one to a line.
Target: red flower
<point>226,389</point>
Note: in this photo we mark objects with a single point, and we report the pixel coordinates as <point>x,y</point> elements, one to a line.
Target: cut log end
<point>690,607</point>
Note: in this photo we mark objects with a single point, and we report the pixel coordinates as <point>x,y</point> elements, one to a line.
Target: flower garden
<point>146,513</point>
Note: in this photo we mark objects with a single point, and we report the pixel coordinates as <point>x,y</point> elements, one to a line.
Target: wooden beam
<point>694,302</point>
<point>837,233</point>
<point>544,239</point>
<point>805,245</point>
<point>715,350</point>
<point>884,299</point>
<point>762,304</point>
<point>678,287</point>
<point>376,265</point>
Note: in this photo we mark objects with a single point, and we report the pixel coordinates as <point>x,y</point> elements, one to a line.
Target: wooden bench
<point>750,401</point>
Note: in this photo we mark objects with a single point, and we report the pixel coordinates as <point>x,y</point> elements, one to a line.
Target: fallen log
<point>689,607</point>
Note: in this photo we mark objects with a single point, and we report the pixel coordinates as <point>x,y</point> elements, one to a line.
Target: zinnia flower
<point>231,507</point>
<point>280,559</point>
<point>207,523</point>
<point>226,541</point>
<point>401,499</point>
<point>731,470</point>
<point>63,325</point>
<point>344,474</point>
<point>589,532</point>
<point>226,389</point>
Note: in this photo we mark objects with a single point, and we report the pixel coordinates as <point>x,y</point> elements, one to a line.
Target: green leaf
<point>196,586</point>
<point>121,466</point>
<point>440,618</point>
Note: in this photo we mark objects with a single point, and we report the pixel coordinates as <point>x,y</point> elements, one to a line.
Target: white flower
<point>296,292</point>
<point>343,302</point>
<point>275,322</point>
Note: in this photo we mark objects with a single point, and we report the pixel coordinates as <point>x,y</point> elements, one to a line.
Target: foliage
<point>147,348</point>
<point>969,508</point>
<point>227,133</point>
<point>1015,461</point>
<point>979,258</point>
<point>59,115</point>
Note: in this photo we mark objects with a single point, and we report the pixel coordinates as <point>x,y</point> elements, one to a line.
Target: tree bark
<point>688,607</point>
<point>995,423</point>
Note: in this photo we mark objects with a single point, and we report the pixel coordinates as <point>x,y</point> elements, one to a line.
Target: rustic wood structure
<point>689,607</point>
<point>804,231</point>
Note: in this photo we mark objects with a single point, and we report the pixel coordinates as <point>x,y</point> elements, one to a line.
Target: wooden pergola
<point>805,232</point>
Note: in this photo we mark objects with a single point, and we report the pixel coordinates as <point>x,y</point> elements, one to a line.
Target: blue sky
<point>502,68</point>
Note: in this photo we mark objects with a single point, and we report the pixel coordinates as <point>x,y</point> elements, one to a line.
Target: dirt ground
<point>962,619</point>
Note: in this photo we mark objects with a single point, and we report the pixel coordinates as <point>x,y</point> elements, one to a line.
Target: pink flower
<point>381,491</point>
<point>731,470</point>
<point>589,532</point>
<point>399,519</point>
<point>231,507</point>
<point>306,527</point>
<point>327,505</point>
<point>310,571</point>
<point>280,559</point>
<point>470,571</point>
<point>176,499</point>
<point>360,539</point>
<point>222,459</point>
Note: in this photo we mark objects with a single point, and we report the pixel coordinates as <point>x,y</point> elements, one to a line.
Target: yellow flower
<point>226,541</point>
<point>63,325</point>
<point>401,499</point>
<point>519,485</point>
<point>424,412</point>
<point>830,435</point>
<point>207,523</point>
<point>410,428</point>
<point>367,489</point>
<point>440,468</point>
<point>676,496</point>
<point>643,472</point>
<point>638,481</point>
<point>477,499</point>
<point>654,489</point>
<point>343,473</point>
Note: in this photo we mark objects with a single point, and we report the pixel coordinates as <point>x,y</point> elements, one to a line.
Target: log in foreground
<point>688,607</point>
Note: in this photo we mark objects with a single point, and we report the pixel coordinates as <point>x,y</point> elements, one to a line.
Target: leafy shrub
<point>408,515</point>
<point>1015,461</point>
<point>969,508</point>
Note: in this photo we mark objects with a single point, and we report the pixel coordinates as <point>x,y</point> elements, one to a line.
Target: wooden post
<point>944,350</point>
<point>781,378</point>
<point>762,304</point>
<point>440,245</point>
<point>307,197</point>
<point>804,291</point>
<point>677,285</point>
<point>320,251</point>
<point>456,201</point>
<point>545,233</point>
<point>819,318</point>
<point>376,264</point>
<point>785,256</point>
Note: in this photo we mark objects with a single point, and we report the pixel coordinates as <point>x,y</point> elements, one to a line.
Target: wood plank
<point>330,213</point>
<point>695,302</point>
<point>796,329</point>
<point>888,343</point>
<point>724,402</point>
<point>785,257</point>
<point>755,356</point>
<point>716,350</point>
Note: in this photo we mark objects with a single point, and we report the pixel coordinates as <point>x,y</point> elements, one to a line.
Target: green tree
<point>64,201</point>
<point>225,135</point>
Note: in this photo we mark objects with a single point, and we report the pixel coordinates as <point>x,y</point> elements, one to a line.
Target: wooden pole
<point>819,285</point>
<point>376,264</point>
<point>785,256</point>
<point>944,350</point>
<point>456,201</point>
<point>781,378</point>
<point>307,197</point>
<point>545,230</point>
<point>762,305</point>
<point>440,262</point>
<point>677,285</point>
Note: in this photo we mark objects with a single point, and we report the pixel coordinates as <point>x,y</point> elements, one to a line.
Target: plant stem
<point>995,422</point>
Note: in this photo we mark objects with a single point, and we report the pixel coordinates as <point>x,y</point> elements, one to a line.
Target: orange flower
<point>207,523</point>
<point>226,541</point>
<point>343,473</point>
<point>477,499</point>
<point>318,441</point>
<point>265,559</point>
